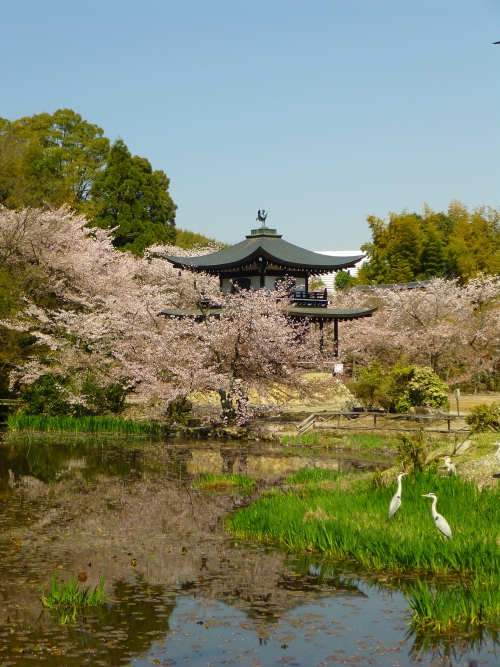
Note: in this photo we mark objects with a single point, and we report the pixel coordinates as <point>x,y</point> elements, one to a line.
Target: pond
<point>180,589</point>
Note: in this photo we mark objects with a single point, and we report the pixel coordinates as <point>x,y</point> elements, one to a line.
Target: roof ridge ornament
<point>262,216</point>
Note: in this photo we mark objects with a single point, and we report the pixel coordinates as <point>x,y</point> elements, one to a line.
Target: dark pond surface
<point>180,590</point>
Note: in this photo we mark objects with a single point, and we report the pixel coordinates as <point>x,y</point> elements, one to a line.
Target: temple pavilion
<point>261,261</point>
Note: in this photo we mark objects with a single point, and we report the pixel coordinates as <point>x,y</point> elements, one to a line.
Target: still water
<point>181,591</point>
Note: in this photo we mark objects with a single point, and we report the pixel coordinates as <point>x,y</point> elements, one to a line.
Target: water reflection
<point>180,590</point>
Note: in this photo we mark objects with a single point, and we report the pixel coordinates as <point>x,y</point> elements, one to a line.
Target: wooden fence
<point>383,421</point>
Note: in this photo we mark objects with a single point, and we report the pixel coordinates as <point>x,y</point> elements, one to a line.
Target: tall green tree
<point>134,200</point>
<point>50,159</point>
<point>456,244</point>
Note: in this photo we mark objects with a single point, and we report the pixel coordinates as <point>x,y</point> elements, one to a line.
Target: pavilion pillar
<point>307,285</point>
<point>262,272</point>
<point>321,336</point>
<point>335,338</point>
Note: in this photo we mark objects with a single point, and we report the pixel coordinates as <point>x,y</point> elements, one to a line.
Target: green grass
<point>310,439</point>
<point>357,528</point>
<point>229,482</point>
<point>80,424</point>
<point>311,476</point>
<point>70,595</point>
<point>464,606</point>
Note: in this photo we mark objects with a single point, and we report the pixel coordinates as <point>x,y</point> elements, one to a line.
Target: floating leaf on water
<point>82,576</point>
<point>58,566</point>
<point>184,551</point>
<point>133,562</point>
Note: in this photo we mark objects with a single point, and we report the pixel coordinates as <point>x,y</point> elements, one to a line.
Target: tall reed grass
<point>80,424</point>
<point>466,605</point>
<point>70,595</point>
<point>354,524</point>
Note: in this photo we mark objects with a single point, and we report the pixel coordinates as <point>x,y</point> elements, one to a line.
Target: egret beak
<point>425,495</point>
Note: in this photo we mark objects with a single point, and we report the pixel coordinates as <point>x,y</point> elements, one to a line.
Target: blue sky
<point>320,111</point>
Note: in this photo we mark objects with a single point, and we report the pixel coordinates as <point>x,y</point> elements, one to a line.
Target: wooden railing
<point>383,421</point>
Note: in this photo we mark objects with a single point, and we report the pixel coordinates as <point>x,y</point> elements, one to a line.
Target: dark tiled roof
<point>271,247</point>
<point>331,313</point>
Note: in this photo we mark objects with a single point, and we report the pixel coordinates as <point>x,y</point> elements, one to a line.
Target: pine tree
<point>132,198</point>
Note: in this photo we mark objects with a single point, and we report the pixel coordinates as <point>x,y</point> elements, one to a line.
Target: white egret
<point>396,500</point>
<point>450,466</point>
<point>441,524</point>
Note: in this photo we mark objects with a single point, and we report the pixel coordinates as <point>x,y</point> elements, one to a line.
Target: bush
<point>179,411</point>
<point>368,388</point>
<point>411,452</point>
<point>344,280</point>
<point>484,418</point>
<point>52,395</point>
<point>411,386</point>
<point>47,396</point>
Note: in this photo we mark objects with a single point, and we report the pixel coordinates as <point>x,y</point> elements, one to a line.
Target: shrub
<point>484,418</point>
<point>47,396</point>
<point>411,386</point>
<point>368,387</point>
<point>179,411</point>
<point>344,280</point>
<point>411,452</point>
<point>53,395</point>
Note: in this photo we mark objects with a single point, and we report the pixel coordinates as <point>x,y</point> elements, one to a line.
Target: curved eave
<point>317,314</point>
<point>273,249</point>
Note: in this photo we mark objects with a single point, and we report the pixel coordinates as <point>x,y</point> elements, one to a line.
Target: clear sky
<point>320,111</point>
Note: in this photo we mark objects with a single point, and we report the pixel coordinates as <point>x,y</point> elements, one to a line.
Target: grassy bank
<point>324,515</point>
<point>80,425</point>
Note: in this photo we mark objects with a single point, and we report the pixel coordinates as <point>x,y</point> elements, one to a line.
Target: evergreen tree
<point>134,200</point>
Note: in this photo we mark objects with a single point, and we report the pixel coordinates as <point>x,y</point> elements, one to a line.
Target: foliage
<point>53,395</point>
<point>70,595</point>
<point>133,202</point>
<point>483,417</point>
<point>344,280</point>
<point>50,159</point>
<point>411,246</point>
<point>410,386</point>
<point>179,410</point>
<point>193,240</point>
<point>369,386</point>
<point>64,424</point>
<point>358,529</point>
<point>411,452</point>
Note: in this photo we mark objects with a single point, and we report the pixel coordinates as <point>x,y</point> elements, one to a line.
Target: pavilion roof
<point>269,246</point>
<point>313,314</point>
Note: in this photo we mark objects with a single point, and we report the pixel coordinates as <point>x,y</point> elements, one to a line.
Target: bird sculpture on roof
<point>395,503</point>
<point>441,524</point>
<point>261,216</point>
<point>450,466</point>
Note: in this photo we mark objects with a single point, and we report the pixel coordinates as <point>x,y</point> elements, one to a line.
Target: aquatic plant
<point>466,605</point>
<point>80,424</point>
<point>358,531</point>
<point>69,594</point>
<point>213,482</point>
